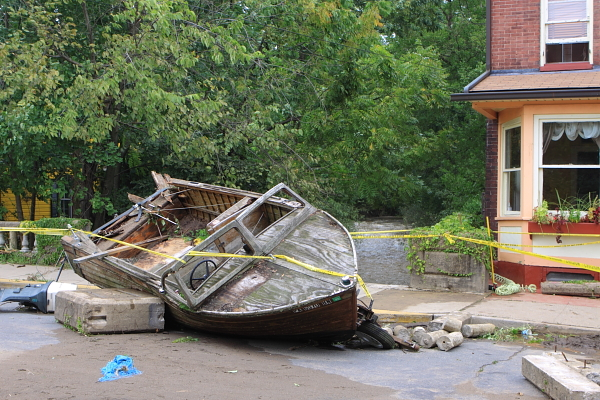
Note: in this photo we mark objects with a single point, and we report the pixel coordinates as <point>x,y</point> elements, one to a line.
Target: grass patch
<point>508,334</point>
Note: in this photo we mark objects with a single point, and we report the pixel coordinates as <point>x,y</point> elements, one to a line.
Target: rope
<point>509,287</point>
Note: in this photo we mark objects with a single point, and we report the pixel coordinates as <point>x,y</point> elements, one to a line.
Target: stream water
<point>382,260</point>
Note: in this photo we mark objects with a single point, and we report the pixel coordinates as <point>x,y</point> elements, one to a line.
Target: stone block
<point>110,311</point>
<point>557,380</point>
<point>449,271</point>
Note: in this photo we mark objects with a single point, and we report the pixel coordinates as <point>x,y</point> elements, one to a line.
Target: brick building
<point>541,95</point>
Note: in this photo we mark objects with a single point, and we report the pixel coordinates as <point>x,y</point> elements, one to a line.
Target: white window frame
<point>504,184</point>
<point>544,32</point>
<point>538,154</point>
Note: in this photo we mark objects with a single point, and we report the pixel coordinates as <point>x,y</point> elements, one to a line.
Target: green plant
<point>540,213</point>
<point>568,210</point>
<point>77,328</point>
<point>506,334</point>
<point>186,339</point>
<point>581,282</point>
<point>198,235</point>
<point>432,239</point>
<point>451,274</point>
<point>49,249</point>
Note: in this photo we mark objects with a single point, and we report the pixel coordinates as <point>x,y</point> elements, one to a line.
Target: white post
<point>25,243</point>
<point>2,242</point>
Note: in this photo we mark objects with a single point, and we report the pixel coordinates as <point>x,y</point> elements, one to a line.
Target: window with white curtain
<point>570,161</point>
<point>566,31</point>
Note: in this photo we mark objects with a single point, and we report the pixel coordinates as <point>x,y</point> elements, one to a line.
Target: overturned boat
<point>272,266</point>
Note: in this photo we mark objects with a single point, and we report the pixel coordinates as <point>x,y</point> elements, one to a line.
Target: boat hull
<point>306,290</point>
<point>329,318</point>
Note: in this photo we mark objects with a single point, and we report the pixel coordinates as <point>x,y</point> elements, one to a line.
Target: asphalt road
<point>43,360</point>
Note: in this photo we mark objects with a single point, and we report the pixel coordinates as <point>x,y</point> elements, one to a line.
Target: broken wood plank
<point>119,249</point>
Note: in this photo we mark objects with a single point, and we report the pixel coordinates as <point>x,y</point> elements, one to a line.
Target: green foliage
<point>347,102</point>
<point>48,246</point>
<point>571,210</point>
<point>200,235</point>
<point>457,225</point>
<point>507,334</point>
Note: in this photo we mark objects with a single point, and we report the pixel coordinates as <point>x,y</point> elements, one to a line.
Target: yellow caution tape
<point>553,246</point>
<point>131,245</point>
<point>508,247</point>
<point>282,257</point>
<point>38,231</point>
<point>549,234</point>
<point>364,233</point>
<point>550,258</point>
<point>393,236</point>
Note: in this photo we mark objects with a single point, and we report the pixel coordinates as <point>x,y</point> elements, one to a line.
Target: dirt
<point>587,344</point>
<point>201,366</point>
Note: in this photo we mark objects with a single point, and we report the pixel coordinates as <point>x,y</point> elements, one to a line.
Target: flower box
<point>577,228</point>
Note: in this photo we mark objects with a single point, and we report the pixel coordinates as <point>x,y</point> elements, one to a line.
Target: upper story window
<point>566,34</point>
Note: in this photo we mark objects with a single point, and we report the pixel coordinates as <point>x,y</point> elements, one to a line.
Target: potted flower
<point>567,218</point>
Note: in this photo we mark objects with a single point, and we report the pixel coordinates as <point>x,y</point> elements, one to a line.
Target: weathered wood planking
<point>244,296</point>
<point>312,242</point>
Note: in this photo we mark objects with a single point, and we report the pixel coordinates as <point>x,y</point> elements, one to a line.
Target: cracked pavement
<point>478,369</point>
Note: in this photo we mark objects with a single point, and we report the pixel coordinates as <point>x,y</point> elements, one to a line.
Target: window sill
<point>572,66</point>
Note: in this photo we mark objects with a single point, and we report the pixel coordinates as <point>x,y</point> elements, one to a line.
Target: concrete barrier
<point>558,380</point>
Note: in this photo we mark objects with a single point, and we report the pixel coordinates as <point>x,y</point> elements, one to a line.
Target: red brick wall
<point>515,34</point>
<point>490,195</point>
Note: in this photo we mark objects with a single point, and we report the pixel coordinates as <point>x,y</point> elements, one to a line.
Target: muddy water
<point>382,260</point>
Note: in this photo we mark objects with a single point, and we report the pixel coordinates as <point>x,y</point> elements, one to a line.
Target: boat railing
<point>17,240</point>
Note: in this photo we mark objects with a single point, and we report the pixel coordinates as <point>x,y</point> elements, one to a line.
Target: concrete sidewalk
<point>542,313</point>
<point>401,304</point>
<point>12,275</point>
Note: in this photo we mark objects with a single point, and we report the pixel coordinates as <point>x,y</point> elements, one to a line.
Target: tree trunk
<point>452,325</point>
<point>475,330</point>
<point>32,207</point>
<point>18,207</point>
<point>449,341</point>
<point>429,339</point>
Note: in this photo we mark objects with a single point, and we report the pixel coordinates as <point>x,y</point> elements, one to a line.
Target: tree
<point>106,77</point>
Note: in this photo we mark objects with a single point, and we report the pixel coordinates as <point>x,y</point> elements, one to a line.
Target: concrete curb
<point>395,317</point>
<point>537,327</point>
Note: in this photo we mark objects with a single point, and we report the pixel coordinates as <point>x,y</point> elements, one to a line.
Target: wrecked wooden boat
<point>273,266</point>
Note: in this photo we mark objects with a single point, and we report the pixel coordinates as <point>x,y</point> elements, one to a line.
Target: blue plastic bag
<point>119,367</point>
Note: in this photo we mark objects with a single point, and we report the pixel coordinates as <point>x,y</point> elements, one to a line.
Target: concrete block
<point>558,380</point>
<point>450,271</point>
<point>449,263</point>
<point>110,311</point>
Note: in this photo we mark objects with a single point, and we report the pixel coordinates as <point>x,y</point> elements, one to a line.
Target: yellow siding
<point>7,199</point>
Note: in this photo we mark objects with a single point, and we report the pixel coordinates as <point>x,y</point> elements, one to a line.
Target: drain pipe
<point>488,48</point>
